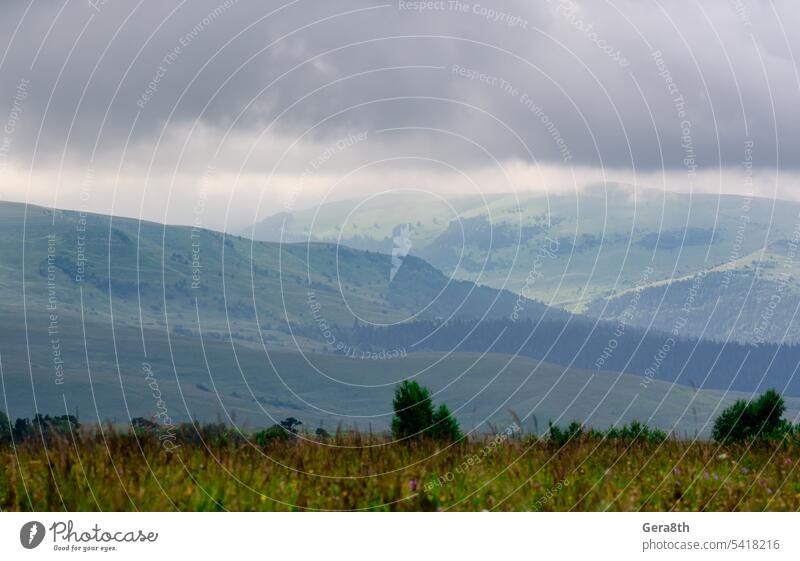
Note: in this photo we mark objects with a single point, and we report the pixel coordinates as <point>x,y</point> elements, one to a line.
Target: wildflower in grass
<point>745,470</point>
<point>412,485</point>
<point>787,461</point>
<point>677,471</point>
<point>706,475</point>
<point>715,476</point>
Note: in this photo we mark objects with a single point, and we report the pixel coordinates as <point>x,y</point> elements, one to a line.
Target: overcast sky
<point>226,112</point>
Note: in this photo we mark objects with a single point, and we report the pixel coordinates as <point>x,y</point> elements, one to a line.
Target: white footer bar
<point>415,536</point>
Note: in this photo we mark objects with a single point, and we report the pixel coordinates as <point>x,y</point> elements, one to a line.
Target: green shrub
<point>192,432</point>
<point>414,416</point>
<point>291,424</point>
<point>637,432</point>
<point>560,437</point>
<point>56,426</point>
<point>445,426</point>
<point>22,429</point>
<point>285,430</point>
<point>5,429</point>
<point>275,433</point>
<point>413,410</point>
<point>142,426</point>
<point>633,432</point>
<point>761,418</point>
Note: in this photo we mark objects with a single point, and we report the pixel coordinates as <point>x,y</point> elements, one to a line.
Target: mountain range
<point>118,317</point>
<point>723,267</point>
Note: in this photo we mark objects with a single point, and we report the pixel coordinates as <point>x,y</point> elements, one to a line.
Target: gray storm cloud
<point>159,91</point>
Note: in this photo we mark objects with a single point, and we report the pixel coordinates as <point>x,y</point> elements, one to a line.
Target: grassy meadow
<point>110,470</point>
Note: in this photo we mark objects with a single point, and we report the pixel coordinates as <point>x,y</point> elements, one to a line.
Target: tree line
<point>416,417</point>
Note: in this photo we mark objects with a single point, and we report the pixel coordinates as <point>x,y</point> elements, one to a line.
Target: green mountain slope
<point>584,250</point>
<point>146,274</point>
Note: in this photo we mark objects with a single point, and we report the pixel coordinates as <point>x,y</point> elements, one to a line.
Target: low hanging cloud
<point>255,108</point>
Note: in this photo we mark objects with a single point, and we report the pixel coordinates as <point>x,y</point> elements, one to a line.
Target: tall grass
<point>220,470</point>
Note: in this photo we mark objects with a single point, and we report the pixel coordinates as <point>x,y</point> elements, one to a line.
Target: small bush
<point>58,426</point>
<point>560,437</point>
<point>633,432</point>
<point>275,433</point>
<point>143,426</point>
<point>193,432</point>
<point>636,432</point>
<point>285,430</point>
<point>761,418</point>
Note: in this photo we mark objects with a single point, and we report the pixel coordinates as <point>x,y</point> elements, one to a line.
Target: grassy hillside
<point>754,300</point>
<point>111,375</point>
<point>147,274</point>
<point>576,250</point>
